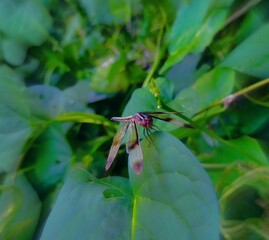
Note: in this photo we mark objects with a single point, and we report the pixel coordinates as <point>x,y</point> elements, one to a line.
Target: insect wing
<point>159,115</point>
<point>134,150</point>
<point>116,144</point>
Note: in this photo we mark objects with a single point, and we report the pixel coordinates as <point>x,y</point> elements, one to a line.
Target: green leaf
<point>234,155</point>
<point>194,28</point>
<point>79,95</point>
<point>15,125</point>
<point>245,149</point>
<point>171,197</point>
<point>83,209</point>
<point>46,102</point>
<point>239,120</point>
<point>19,210</point>
<point>220,79</point>
<point>166,89</point>
<point>84,118</point>
<point>110,76</point>
<point>173,194</point>
<point>251,56</point>
<point>142,100</point>
<point>51,158</point>
<point>107,11</point>
<point>200,95</point>
<point>25,21</point>
<point>13,52</point>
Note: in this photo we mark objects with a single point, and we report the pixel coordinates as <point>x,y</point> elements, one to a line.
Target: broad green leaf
<point>194,28</point>
<point>200,95</point>
<point>25,21</point>
<point>236,31</point>
<point>46,102</point>
<point>79,95</point>
<point>107,11</point>
<point>172,197</point>
<point>251,56</point>
<point>184,73</point>
<point>19,210</point>
<point>189,100</point>
<point>142,100</point>
<point>91,209</point>
<point>13,52</point>
<point>221,80</point>
<point>15,126</point>
<point>51,158</point>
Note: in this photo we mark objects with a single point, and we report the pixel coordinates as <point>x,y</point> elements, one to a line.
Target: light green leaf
<point>15,126</point>
<point>142,100</point>
<point>13,52</point>
<point>25,21</point>
<point>46,101</point>
<point>200,95</point>
<point>196,24</point>
<point>220,80</point>
<point>79,95</point>
<point>171,197</point>
<point>19,210</point>
<point>251,56</point>
<point>84,118</point>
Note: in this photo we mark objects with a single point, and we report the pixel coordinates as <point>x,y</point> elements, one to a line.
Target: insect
<point>133,148</point>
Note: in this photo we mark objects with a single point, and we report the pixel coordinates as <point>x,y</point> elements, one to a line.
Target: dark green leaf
<point>51,158</point>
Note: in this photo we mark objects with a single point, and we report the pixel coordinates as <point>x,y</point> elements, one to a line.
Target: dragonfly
<point>130,128</point>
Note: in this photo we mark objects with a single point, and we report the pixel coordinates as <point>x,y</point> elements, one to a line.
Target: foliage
<point>68,66</point>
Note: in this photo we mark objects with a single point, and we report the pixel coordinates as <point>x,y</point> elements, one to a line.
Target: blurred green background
<point>67,67</point>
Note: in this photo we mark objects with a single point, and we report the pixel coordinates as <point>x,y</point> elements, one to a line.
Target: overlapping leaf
<point>171,197</point>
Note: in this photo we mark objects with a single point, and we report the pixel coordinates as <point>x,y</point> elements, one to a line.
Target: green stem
<point>158,52</point>
<point>157,59</point>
